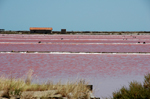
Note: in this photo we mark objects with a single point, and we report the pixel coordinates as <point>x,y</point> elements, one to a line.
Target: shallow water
<point>75,47</point>
<point>106,72</point>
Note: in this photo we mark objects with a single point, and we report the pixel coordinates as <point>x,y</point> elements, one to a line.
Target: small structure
<point>63,31</point>
<point>2,30</point>
<point>41,30</point>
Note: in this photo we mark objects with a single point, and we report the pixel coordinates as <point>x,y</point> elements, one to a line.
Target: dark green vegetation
<point>135,90</point>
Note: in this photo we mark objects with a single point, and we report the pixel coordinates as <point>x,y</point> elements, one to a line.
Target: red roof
<point>41,28</point>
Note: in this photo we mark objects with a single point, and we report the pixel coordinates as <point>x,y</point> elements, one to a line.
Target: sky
<point>76,15</point>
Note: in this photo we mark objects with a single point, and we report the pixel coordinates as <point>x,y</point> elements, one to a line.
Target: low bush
<point>135,90</point>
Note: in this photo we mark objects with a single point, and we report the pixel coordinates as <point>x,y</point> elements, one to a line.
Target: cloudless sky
<point>76,15</point>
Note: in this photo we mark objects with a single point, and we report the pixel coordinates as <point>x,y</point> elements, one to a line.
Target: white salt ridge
<point>68,43</point>
<point>76,53</point>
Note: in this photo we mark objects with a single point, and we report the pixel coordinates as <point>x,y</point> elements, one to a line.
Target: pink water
<point>106,72</point>
<point>77,40</point>
<point>37,36</point>
<point>96,68</point>
<point>76,47</point>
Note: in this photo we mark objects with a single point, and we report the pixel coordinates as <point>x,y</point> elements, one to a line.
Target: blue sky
<point>76,15</point>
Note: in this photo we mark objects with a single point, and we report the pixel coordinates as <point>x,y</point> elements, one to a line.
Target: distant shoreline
<point>84,32</point>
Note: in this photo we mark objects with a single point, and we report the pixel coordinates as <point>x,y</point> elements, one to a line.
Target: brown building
<point>43,30</point>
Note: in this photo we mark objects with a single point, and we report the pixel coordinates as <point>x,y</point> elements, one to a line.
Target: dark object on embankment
<point>2,30</point>
<point>63,31</point>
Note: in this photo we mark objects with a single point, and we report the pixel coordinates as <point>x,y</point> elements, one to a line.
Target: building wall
<point>41,31</point>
